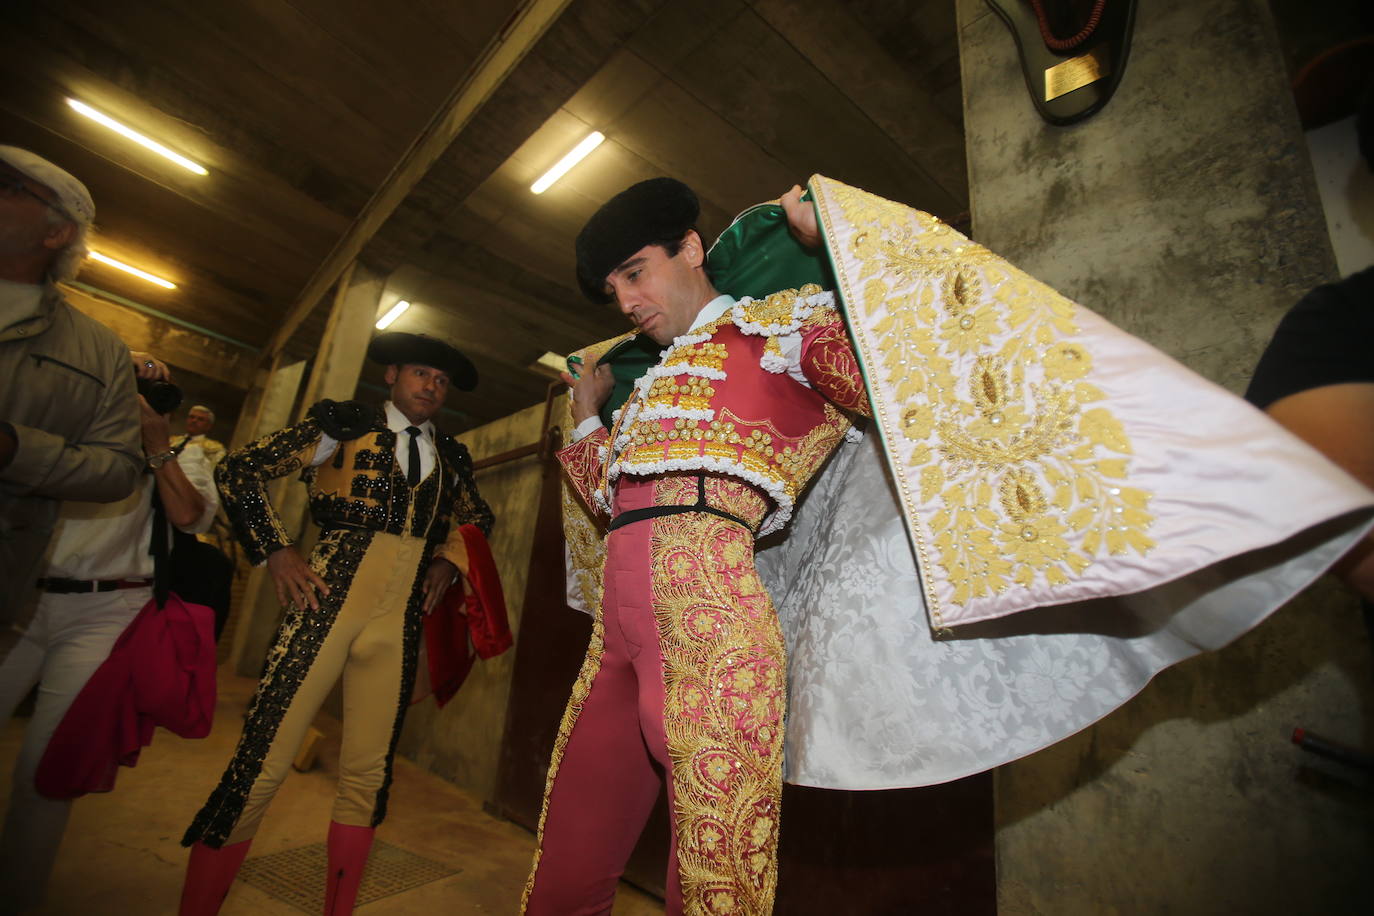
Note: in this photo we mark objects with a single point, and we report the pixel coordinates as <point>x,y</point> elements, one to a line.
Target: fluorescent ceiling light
<point>579,152</point>
<point>130,269</point>
<point>392,314</point>
<point>137,137</point>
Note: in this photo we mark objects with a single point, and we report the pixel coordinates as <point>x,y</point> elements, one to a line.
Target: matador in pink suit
<point>1022,536</point>
<point>713,447</point>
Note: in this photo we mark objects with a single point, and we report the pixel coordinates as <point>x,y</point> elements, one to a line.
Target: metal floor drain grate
<point>296,876</point>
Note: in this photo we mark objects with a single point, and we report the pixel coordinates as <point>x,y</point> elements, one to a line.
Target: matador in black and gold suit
<point>388,514</point>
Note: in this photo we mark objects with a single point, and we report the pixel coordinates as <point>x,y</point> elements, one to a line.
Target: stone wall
<point>1185,212</point>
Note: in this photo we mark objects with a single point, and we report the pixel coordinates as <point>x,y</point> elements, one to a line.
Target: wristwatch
<point>161,458</point>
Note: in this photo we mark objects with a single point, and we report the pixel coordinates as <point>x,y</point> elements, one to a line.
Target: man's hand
<point>801,217</point>
<point>157,434</point>
<point>295,580</point>
<point>438,578</point>
<point>145,366</point>
<point>590,391</point>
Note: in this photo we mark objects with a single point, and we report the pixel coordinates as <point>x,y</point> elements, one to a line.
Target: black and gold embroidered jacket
<point>360,487</point>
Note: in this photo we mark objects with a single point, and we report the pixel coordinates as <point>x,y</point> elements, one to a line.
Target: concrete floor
<point>121,853</point>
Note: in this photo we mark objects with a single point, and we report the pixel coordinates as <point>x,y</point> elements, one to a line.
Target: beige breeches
<point>365,645</point>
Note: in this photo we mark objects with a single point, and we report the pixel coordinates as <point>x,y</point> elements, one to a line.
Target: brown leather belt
<point>87,586</point>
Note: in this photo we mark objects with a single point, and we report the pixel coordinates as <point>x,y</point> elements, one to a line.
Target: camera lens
<point>163,397</point>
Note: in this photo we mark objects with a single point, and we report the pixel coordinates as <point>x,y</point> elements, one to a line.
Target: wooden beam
<point>496,64</point>
<point>586,35</point>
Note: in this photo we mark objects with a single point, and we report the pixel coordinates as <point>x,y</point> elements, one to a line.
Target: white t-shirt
<point>111,540</point>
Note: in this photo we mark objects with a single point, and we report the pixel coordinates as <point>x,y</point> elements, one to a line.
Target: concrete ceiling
<point>306,112</point>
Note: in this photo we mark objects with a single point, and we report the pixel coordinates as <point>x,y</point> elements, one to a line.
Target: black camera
<point>163,397</point>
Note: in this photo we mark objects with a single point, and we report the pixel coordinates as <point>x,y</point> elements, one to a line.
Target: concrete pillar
<point>344,347</point>
<point>1185,212</point>
<point>248,414</point>
<point>269,401</point>
<point>268,408</point>
<point>334,374</point>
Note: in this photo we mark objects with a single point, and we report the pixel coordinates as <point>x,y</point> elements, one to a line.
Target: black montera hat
<point>397,348</point>
<point>657,210</point>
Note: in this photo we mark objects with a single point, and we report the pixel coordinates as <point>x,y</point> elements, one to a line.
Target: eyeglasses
<point>12,185</point>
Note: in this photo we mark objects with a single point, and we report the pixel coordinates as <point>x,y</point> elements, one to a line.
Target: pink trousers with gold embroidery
<point>684,678</point>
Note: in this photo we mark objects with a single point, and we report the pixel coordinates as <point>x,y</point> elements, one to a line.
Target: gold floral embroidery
<point>775,309</point>
<point>724,694</point>
<point>649,437</point>
<point>1067,361</point>
<point>582,464</point>
<point>586,545</point>
<point>675,490</point>
<point>1021,496</point>
<point>754,445</point>
<point>778,310</point>
<point>586,549</point>
<point>989,393</point>
<point>801,461</point>
<point>245,473</point>
<point>740,500</point>
<point>821,314</point>
<point>829,363</point>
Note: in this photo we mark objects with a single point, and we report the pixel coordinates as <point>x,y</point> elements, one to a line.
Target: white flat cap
<point>72,195</point>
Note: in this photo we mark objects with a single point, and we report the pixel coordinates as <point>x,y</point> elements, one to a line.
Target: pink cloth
<point>161,671</point>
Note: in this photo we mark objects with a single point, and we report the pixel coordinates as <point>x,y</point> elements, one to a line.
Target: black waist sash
<point>648,512</point>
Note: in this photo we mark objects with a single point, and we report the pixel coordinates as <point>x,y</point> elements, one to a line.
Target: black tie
<point>413,477</point>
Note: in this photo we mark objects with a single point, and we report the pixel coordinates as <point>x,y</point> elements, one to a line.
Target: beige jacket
<point>67,389</point>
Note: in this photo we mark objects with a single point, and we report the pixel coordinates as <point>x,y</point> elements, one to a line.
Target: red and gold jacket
<point>763,393</point>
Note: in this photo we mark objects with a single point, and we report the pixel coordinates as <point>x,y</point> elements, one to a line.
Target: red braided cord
<point>1067,44</point>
